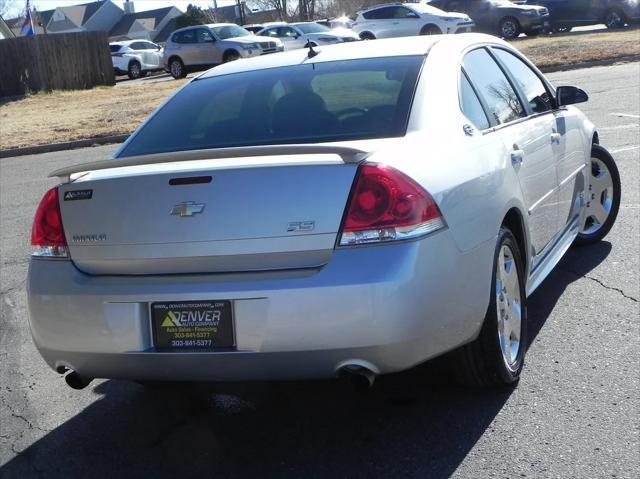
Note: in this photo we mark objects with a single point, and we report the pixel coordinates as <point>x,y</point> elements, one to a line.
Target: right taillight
<point>387,205</point>
<point>47,233</point>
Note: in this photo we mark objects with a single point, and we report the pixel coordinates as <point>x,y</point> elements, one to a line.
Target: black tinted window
<point>188,36</point>
<point>471,106</point>
<point>530,84</point>
<point>332,101</point>
<point>493,86</point>
<point>115,48</point>
<point>203,35</point>
<point>380,13</point>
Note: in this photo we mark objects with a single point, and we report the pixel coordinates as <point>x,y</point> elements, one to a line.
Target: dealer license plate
<point>192,325</point>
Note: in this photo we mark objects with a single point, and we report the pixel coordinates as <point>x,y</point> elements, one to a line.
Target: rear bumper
<point>391,306</point>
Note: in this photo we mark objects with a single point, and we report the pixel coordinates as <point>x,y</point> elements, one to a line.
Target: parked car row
<point>566,14</point>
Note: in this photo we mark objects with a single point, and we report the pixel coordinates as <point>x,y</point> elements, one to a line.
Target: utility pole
<point>215,11</point>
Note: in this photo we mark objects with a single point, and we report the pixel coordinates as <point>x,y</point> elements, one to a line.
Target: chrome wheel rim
<point>508,29</point>
<point>509,307</point>
<point>600,200</point>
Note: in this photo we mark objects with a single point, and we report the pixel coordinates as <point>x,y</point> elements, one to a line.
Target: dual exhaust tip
<point>362,375</point>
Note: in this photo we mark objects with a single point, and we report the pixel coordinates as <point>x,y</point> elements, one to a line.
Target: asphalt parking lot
<point>575,413</point>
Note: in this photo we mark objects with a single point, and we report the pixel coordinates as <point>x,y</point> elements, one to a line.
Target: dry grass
<point>73,115</point>
<point>559,50</point>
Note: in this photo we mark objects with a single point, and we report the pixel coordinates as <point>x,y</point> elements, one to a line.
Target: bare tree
<point>5,6</point>
<point>280,6</point>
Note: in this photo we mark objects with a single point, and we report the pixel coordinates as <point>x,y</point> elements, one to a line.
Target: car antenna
<point>312,53</point>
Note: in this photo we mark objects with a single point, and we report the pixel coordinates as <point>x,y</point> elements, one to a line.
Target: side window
<point>177,37</point>
<point>203,36</point>
<point>530,84</point>
<point>455,6</point>
<point>381,13</point>
<point>287,32</point>
<point>403,12</point>
<point>136,46</point>
<point>471,106</point>
<point>493,86</point>
<point>189,36</point>
<point>272,32</point>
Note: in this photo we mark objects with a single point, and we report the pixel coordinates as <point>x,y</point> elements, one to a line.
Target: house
<point>94,16</point>
<point>5,31</point>
<point>155,25</point>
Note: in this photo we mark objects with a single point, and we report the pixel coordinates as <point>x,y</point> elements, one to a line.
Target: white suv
<point>135,58</point>
<point>408,19</point>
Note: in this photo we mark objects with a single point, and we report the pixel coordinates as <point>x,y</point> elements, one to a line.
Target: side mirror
<point>570,95</point>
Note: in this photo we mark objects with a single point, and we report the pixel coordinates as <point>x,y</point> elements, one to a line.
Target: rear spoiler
<point>348,155</point>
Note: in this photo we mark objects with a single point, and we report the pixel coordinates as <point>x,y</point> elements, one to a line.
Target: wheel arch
<point>365,33</point>
<point>430,25</point>
<point>514,220</point>
<point>229,50</point>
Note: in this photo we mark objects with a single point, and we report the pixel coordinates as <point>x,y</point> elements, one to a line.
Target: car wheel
<point>430,30</point>
<point>367,36</point>
<point>614,19</point>
<point>603,201</point>
<point>509,28</point>
<point>135,70</point>
<point>496,357</point>
<point>177,69</point>
<point>231,56</point>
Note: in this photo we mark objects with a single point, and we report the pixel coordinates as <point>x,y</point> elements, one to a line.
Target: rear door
<point>207,53</point>
<point>527,141</point>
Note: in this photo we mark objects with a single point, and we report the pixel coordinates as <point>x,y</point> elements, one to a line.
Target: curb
<point>593,63</point>
<point>68,145</point>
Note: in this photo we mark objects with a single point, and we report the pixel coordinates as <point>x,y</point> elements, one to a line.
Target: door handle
<point>517,157</point>
<point>555,138</point>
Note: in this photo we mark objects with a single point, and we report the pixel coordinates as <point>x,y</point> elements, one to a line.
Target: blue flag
<point>27,26</point>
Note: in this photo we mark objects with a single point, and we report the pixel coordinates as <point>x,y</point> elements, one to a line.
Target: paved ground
<point>575,413</point>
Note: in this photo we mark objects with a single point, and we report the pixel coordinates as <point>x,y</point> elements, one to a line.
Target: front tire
<point>614,19</point>
<point>177,69</point>
<point>430,30</point>
<point>230,56</point>
<point>496,357</point>
<point>509,28</point>
<point>603,200</point>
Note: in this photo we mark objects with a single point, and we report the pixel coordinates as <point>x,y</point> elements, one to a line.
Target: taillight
<point>117,54</point>
<point>47,233</point>
<point>387,205</point>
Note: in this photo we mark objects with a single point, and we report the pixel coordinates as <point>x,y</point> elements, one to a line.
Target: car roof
<point>404,46</point>
<point>129,42</point>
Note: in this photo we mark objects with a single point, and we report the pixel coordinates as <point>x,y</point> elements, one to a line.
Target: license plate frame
<point>206,325</point>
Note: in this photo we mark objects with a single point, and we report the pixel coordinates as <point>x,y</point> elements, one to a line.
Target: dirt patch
<point>104,111</point>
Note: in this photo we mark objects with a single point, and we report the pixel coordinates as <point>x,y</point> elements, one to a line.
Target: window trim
<point>463,74</point>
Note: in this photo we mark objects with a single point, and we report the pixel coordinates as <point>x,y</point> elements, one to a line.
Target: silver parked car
<point>357,211</point>
<point>204,46</point>
<point>299,35</point>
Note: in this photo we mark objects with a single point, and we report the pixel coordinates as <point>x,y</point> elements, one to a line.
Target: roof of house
<point>149,19</point>
<point>77,15</point>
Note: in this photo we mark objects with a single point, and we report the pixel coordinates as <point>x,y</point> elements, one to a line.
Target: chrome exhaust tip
<point>360,375</point>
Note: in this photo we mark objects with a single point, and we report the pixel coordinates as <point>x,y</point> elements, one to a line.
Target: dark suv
<point>500,17</point>
<point>566,14</point>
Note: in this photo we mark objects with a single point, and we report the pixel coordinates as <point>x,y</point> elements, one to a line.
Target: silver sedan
<point>357,209</point>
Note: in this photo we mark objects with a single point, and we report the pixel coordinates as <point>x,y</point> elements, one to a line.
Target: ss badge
<point>296,226</point>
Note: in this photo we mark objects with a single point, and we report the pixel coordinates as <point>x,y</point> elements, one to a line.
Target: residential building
<point>155,25</point>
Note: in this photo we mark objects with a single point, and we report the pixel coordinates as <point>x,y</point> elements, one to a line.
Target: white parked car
<point>298,35</point>
<point>135,58</point>
<point>408,19</point>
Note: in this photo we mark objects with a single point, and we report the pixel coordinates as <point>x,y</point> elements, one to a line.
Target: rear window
<point>115,48</point>
<point>308,103</point>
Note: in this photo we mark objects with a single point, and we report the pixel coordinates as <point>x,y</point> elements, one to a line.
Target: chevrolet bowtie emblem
<point>187,208</point>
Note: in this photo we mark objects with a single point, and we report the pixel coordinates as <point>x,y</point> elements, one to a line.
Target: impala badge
<point>187,208</point>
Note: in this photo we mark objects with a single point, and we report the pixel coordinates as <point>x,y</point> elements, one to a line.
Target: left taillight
<point>387,205</point>
<point>47,233</point>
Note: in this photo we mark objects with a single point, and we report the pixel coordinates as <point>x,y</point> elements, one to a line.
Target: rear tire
<point>509,28</point>
<point>603,202</point>
<point>496,357</point>
<point>367,36</point>
<point>177,69</point>
<point>135,70</point>
<point>430,30</point>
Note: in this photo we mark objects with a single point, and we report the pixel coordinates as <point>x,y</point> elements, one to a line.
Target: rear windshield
<point>307,103</point>
<point>115,48</point>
